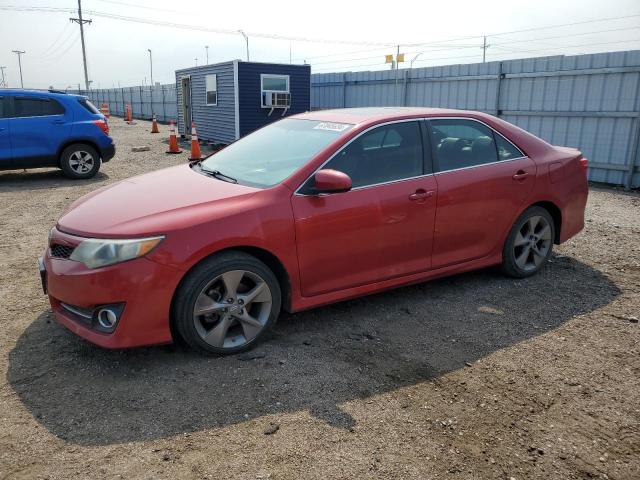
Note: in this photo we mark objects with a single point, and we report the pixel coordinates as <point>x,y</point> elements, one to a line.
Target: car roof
<point>377,114</point>
<point>28,92</point>
<point>369,116</point>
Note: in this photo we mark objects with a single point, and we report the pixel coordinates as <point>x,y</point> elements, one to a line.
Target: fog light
<point>107,318</point>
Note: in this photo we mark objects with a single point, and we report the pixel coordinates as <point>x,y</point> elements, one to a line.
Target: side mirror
<point>329,180</point>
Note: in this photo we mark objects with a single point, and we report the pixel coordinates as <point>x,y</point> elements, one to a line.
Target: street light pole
<point>206,47</point>
<point>413,60</point>
<point>151,64</point>
<point>246,39</point>
<point>19,53</point>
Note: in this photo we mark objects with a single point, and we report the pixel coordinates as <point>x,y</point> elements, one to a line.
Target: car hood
<point>154,203</point>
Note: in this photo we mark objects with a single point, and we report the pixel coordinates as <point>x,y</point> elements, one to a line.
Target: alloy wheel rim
<point>532,243</point>
<point>81,161</point>
<point>232,309</point>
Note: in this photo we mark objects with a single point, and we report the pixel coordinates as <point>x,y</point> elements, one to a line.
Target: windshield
<point>269,155</point>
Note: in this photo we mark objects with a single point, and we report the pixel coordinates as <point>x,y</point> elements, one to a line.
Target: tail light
<point>102,125</point>
<point>584,163</point>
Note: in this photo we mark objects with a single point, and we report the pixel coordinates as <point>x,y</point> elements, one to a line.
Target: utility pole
<point>196,59</point>
<point>206,47</point>
<point>246,39</point>
<point>290,52</point>
<point>3,83</point>
<point>151,64</point>
<point>20,52</point>
<point>81,22</point>
<point>484,49</point>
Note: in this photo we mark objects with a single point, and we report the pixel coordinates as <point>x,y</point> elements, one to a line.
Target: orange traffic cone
<point>104,109</point>
<point>154,125</point>
<point>173,140</point>
<point>129,115</point>
<point>195,146</point>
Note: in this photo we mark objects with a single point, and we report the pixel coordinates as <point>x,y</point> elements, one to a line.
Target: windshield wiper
<point>219,175</point>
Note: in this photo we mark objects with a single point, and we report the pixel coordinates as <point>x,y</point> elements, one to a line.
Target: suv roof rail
<point>56,91</point>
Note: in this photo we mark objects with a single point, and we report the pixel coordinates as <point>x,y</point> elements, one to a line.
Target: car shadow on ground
<point>42,179</point>
<point>311,361</point>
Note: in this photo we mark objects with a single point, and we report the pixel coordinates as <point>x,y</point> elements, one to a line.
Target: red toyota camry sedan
<point>312,209</point>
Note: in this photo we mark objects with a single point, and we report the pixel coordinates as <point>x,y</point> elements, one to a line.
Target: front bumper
<point>144,287</point>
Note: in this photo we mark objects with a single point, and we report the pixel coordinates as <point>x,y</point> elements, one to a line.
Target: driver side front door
<point>383,227</point>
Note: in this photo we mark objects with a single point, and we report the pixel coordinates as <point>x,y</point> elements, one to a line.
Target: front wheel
<point>529,243</point>
<point>227,303</point>
<point>80,161</point>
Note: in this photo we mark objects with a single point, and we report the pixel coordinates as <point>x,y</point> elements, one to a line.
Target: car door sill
<point>305,303</point>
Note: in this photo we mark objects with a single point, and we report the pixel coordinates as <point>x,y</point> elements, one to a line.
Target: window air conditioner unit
<point>274,99</point>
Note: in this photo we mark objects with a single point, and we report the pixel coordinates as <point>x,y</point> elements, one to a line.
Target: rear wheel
<point>227,303</point>
<point>80,161</point>
<point>529,243</point>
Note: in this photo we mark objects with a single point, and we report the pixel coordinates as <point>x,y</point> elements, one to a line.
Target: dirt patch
<point>474,376</point>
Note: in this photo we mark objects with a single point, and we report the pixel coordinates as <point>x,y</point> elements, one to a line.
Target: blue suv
<point>52,129</point>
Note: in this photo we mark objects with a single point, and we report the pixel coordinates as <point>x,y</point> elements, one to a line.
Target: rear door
<point>5,139</point>
<point>39,126</point>
<point>483,182</point>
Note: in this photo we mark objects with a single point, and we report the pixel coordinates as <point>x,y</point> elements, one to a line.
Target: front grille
<point>61,251</point>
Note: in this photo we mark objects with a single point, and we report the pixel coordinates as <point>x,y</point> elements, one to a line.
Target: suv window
<point>462,143</point>
<point>384,154</point>
<point>1,107</point>
<point>36,107</point>
<point>90,107</point>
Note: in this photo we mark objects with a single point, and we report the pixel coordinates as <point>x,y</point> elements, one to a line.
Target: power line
<point>481,37</point>
<point>291,38</point>
<point>566,35</point>
<point>476,56</point>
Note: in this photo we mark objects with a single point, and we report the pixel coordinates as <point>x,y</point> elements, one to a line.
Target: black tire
<point>539,249</point>
<point>191,327</point>
<point>80,161</point>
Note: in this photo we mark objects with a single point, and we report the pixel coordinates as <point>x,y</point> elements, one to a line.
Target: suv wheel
<point>80,161</point>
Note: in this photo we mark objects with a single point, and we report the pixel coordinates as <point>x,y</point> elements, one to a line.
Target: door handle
<point>520,175</point>
<point>420,194</point>
<point>58,122</point>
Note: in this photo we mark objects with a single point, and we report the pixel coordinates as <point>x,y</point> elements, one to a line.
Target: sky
<point>330,35</point>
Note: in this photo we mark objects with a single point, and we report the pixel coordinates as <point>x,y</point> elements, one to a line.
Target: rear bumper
<point>108,152</point>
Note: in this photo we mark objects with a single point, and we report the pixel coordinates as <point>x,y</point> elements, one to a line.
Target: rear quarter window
<point>90,107</point>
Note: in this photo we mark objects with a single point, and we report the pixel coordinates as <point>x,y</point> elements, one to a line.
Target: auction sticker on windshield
<point>334,127</point>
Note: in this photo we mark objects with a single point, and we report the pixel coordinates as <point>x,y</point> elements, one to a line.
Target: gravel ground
<point>474,376</point>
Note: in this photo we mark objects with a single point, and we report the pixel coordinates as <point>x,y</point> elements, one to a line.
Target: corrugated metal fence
<point>144,101</point>
<point>591,102</point>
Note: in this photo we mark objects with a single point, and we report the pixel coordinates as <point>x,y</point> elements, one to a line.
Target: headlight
<point>95,252</point>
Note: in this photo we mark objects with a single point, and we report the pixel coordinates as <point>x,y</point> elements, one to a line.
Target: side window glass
<point>384,154</point>
<point>462,143</point>
<point>36,107</point>
<point>1,107</point>
<point>506,149</point>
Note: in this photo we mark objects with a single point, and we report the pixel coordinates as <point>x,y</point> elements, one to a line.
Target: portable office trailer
<point>231,99</point>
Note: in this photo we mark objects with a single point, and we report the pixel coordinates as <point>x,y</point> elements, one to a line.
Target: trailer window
<point>212,89</point>
<point>274,83</point>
